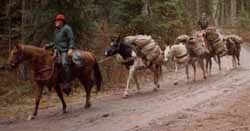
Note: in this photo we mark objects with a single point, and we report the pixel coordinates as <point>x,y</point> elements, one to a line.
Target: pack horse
<point>137,53</point>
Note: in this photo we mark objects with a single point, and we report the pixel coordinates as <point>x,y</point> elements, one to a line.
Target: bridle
<point>19,56</point>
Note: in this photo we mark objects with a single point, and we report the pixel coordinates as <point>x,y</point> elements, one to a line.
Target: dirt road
<point>202,105</point>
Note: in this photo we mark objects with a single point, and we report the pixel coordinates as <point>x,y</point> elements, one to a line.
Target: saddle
<point>74,59</point>
<point>77,59</point>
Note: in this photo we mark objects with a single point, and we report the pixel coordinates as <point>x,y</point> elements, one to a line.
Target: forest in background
<point>95,21</point>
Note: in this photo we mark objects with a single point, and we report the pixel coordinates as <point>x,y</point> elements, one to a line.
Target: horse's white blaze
<point>106,53</point>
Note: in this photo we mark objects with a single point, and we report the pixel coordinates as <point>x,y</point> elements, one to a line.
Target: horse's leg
<point>130,76</point>
<point>202,66</point>
<point>209,65</point>
<point>60,95</point>
<point>155,70</point>
<point>194,69</point>
<point>39,92</point>
<point>234,60</point>
<point>187,73</point>
<point>176,73</point>
<point>238,57</point>
<point>88,84</point>
<point>219,62</point>
<point>206,65</point>
<point>136,82</point>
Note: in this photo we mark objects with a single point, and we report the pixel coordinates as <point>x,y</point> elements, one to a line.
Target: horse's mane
<point>38,51</point>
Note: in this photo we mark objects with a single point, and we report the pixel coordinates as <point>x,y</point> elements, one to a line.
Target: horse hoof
<point>125,96</point>
<point>87,106</point>
<point>175,83</point>
<point>155,89</point>
<point>64,112</point>
<point>31,117</point>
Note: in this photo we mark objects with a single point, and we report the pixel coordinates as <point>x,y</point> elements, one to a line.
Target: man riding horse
<point>63,45</point>
<point>203,21</point>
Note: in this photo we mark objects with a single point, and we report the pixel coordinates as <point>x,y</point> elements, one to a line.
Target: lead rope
<point>104,59</point>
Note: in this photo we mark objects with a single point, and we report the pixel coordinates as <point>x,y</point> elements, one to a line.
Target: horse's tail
<point>98,76</point>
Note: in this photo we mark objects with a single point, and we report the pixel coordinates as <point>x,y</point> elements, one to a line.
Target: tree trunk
<point>198,8</point>
<point>9,19</point>
<point>216,11</point>
<point>233,12</point>
<point>22,22</point>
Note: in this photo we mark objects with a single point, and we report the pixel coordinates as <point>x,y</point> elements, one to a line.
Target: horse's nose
<point>106,52</point>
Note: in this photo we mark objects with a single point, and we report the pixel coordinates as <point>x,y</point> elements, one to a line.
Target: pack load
<point>196,47</point>
<point>181,39</point>
<point>235,38</point>
<point>215,41</point>
<point>233,43</point>
<point>148,49</point>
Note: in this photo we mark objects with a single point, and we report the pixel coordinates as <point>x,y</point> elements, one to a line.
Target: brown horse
<point>215,44</point>
<point>47,73</point>
<point>233,45</point>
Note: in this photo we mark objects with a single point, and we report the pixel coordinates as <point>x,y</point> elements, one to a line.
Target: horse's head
<point>114,47</point>
<point>167,53</point>
<point>17,55</point>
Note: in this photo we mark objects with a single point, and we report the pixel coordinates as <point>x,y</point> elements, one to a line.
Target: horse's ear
<point>112,38</point>
<point>18,46</point>
<point>119,38</point>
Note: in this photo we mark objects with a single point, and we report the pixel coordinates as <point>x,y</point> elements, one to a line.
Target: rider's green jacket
<point>63,39</point>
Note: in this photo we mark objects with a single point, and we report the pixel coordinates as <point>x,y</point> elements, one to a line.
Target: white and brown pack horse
<point>133,62</point>
<point>47,72</point>
<point>180,55</point>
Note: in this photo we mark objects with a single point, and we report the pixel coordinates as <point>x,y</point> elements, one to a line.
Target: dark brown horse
<point>233,45</point>
<point>47,73</point>
<point>215,44</point>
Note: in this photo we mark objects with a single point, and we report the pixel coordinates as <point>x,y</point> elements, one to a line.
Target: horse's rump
<point>87,57</point>
<point>179,50</point>
<point>233,44</point>
<point>196,47</point>
<point>182,38</point>
<point>235,38</point>
<point>154,54</point>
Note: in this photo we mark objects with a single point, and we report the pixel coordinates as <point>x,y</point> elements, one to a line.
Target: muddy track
<point>139,111</point>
